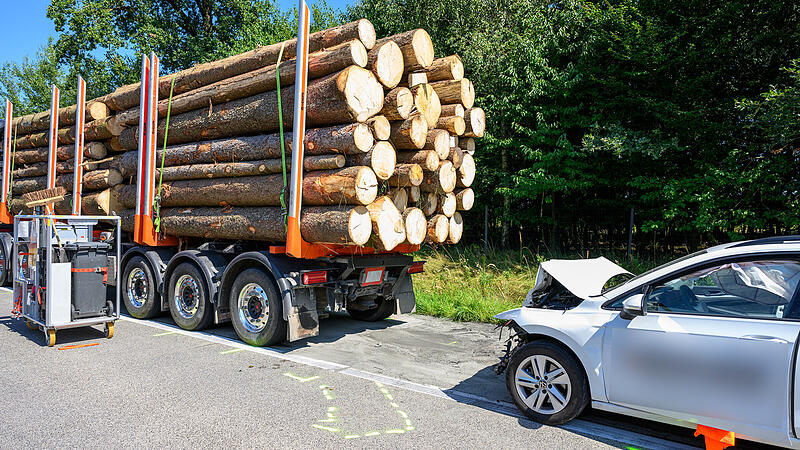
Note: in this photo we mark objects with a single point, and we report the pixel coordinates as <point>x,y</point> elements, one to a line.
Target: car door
<point>715,347</point>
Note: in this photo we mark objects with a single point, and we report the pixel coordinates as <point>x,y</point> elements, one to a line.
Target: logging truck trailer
<point>270,293</point>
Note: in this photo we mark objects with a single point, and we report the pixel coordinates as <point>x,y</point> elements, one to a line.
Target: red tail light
<point>317,277</point>
<point>416,267</point>
<point>372,276</point>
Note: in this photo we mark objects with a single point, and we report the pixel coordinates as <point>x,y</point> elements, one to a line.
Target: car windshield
<point>620,280</point>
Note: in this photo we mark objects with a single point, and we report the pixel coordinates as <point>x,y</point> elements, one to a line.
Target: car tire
<point>188,298</point>
<point>139,289</point>
<point>537,397</point>
<point>256,309</point>
<point>384,309</point>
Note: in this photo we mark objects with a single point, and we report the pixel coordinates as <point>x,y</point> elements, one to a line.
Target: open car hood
<point>583,277</point>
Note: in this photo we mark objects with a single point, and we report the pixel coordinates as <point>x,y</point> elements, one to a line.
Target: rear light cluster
<point>316,277</point>
<point>372,276</point>
<point>416,267</point>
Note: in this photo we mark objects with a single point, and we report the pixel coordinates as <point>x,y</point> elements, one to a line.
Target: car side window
<point>753,289</point>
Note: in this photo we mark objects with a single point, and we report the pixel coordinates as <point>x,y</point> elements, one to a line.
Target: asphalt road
<point>410,381</point>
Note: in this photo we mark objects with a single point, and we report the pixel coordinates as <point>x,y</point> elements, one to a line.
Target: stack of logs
<point>388,147</point>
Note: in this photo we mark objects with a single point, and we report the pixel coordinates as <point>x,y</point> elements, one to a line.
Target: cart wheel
<point>50,337</point>
<point>109,330</point>
<point>31,325</point>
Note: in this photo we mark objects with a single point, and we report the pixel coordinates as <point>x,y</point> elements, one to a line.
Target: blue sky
<point>24,26</point>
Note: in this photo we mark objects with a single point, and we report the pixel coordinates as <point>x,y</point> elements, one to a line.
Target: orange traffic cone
<point>716,439</point>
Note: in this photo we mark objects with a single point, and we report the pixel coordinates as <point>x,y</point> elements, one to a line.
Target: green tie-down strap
<point>284,210</point>
<point>157,198</point>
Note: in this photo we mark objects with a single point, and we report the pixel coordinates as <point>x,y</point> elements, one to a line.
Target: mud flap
<point>404,293</point>
<point>303,321</point>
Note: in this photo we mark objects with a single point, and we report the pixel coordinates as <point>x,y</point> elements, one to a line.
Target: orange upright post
<point>5,214</point>
<point>80,122</point>
<point>52,158</point>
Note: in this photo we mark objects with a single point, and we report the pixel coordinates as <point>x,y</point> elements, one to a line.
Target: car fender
<point>581,332</point>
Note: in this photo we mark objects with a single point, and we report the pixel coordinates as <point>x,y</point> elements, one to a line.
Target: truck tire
<point>188,298</point>
<point>384,310</point>
<point>547,383</point>
<point>139,289</point>
<point>3,272</point>
<point>256,309</point>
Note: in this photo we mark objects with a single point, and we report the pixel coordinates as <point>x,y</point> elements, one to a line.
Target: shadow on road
<point>67,336</point>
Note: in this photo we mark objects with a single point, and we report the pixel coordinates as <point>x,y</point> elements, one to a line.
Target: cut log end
<point>416,225</point>
<point>407,175</point>
<point>438,229</point>
<point>363,137</point>
<point>466,173</point>
<point>428,203</point>
<point>399,197</point>
<point>358,54</point>
<point>414,194</point>
<point>388,228</point>
<point>384,160</point>
<point>386,62</point>
<point>410,133</point>
<point>427,103</point>
<point>363,93</point>
<point>438,141</point>
<point>475,122</point>
<point>465,199</point>
<point>423,48</point>
<point>447,204</point>
<point>381,128</point>
<point>455,229</point>
<point>453,124</point>
<point>366,33</point>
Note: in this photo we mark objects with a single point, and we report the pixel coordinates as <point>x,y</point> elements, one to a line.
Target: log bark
<point>416,225</point>
<point>204,74</point>
<point>456,157</point>
<point>453,124</point>
<point>428,203</point>
<point>385,60</point>
<point>92,181</point>
<point>100,179</point>
<point>475,121</point>
<point>40,169</point>
<point>427,103</point>
<point>398,104</point>
<point>455,229</point>
<point>417,48</point>
<point>447,68</point>
<point>438,229</point>
<point>101,203</point>
<point>263,79</point>
<point>351,95</point>
<point>440,181</point>
<point>336,225</point>
<point>447,204</point>
<point>410,133</point>
<point>97,130</point>
<point>427,159</point>
<point>40,121</point>
<point>406,175</point>
<point>399,197</point>
<point>381,128</point>
<point>465,199</point>
<point>438,141</point>
<point>414,194</point>
<point>114,145</point>
<point>93,150</point>
<point>381,159</point>
<point>388,228</point>
<point>351,185</point>
<point>454,109</point>
<point>455,91</point>
<point>353,138</point>
<point>466,173</point>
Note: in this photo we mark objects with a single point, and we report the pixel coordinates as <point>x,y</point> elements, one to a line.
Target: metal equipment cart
<point>62,269</point>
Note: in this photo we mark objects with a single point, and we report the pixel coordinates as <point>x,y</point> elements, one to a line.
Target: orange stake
<point>716,439</point>
<point>70,347</point>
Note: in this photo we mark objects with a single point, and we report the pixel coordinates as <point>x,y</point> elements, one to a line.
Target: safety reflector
<point>416,267</point>
<point>317,277</point>
<point>373,275</point>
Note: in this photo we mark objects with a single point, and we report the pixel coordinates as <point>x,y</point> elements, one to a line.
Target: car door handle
<point>759,337</point>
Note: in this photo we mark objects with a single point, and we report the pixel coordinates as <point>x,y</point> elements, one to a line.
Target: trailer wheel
<point>384,309</point>
<point>256,309</point>
<point>139,289</point>
<point>3,270</point>
<point>188,297</point>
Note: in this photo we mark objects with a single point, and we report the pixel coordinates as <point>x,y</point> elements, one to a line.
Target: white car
<point>709,339</point>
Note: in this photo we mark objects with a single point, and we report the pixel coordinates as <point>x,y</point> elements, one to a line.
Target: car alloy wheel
<point>543,384</point>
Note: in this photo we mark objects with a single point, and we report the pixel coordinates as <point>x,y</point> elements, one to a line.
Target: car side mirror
<point>633,306</point>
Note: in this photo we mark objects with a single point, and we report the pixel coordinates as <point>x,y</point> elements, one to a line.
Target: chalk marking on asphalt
<point>166,333</point>
<point>578,426</point>
<point>233,350</point>
<point>451,343</point>
<point>300,379</point>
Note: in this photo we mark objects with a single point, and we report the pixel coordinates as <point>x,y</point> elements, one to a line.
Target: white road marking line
<point>577,426</point>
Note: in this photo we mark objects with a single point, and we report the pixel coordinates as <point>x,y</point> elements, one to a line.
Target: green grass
<point>466,284</point>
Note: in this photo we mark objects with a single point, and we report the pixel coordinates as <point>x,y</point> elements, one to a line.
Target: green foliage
<point>27,84</point>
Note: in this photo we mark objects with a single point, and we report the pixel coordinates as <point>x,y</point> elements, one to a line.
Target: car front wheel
<point>547,383</point>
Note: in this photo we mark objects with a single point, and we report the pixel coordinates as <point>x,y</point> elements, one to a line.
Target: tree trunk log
<point>200,75</point>
<point>101,203</point>
<point>406,175</point>
<point>427,103</point>
<point>447,204</point>
<point>467,144</point>
<point>417,48</point>
<point>336,225</point>
<point>381,159</point>
<point>438,229</point>
<point>416,225</point>
<point>455,229</point>
<point>447,68</point>
<point>381,128</point>
<point>92,181</point>
<point>427,159</point>
<point>385,60</point>
<point>475,121</point>
<point>350,185</point>
<point>453,124</point>
<point>321,63</point>
<point>428,203</point>
<point>352,95</point>
<point>410,133</point>
<point>40,121</point>
<point>438,141</point>
<point>354,138</point>
<point>466,173</point>
<point>388,229</point>
<point>454,109</point>
<point>456,157</point>
<point>40,169</point>
<point>440,181</point>
<point>465,199</point>
<point>397,104</point>
<point>455,91</point>
<point>93,150</point>
<point>399,197</point>
<point>414,194</point>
